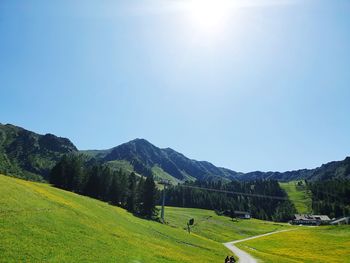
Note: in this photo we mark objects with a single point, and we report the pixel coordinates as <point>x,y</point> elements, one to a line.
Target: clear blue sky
<point>260,85</point>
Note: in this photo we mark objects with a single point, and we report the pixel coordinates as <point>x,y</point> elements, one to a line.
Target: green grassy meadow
<point>219,228</point>
<point>305,244</point>
<point>299,196</point>
<point>160,174</point>
<point>40,223</point>
<point>121,164</point>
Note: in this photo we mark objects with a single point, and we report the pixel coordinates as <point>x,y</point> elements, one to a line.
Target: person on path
<point>232,260</point>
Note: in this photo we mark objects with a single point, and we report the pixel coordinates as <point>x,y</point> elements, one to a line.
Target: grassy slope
<point>299,196</point>
<point>320,244</point>
<point>121,164</point>
<point>160,174</point>
<point>41,223</point>
<point>219,228</point>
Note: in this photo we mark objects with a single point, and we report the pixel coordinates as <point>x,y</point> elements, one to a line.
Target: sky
<point>248,85</point>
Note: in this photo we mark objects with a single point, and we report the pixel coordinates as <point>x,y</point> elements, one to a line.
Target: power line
<point>257,195</point>
<point>236,193</point>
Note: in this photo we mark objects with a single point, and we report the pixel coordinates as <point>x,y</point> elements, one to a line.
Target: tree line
<point>88,177</point>
<point>196,195</point>
<point>330,197</point>
<point>140,196</point>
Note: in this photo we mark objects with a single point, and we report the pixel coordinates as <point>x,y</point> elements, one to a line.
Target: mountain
<point>29,155</point>
<point>338,169</point>
<point>145,158</point>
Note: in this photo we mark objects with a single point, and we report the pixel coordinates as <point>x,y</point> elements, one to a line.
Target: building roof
<point>242,213</point>
<point>311,217</point>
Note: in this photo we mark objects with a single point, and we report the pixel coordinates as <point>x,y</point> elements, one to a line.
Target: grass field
<point>121,164</point>
<point>40,223</point>
<point>305,244</point>
<point>219,228</point>
<point>160,174</point>
<point>299,196</point>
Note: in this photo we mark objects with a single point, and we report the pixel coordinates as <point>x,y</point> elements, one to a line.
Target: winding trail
<point>243,256</point>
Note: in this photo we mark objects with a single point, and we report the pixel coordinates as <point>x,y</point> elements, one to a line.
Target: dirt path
<point>243,256</point>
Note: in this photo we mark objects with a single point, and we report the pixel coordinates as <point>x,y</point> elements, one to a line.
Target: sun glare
<point>209,16</point>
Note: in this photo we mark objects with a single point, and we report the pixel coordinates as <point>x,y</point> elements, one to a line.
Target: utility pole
<point>165,183</point>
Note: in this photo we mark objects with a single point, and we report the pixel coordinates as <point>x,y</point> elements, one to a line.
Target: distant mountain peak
<point>146,157</point>
<point>140,140</point>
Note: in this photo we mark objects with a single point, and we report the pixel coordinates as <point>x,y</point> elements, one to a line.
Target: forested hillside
<point>78,174</point>
<point>263,199</point>
<point>331,197</point>
<point>29,155</point>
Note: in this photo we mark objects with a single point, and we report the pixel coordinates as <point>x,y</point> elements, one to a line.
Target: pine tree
<point>105,183</point>
<point>118,189</point>
<point>132,195</point>
<point>148,205</point>
<point>139,194</point>
<point>76,173</point>
<point>59,173</point>
<point>92,186</point>
<point>114,193</point>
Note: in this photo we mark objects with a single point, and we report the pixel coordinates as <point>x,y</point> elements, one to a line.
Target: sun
<point>209,16</point>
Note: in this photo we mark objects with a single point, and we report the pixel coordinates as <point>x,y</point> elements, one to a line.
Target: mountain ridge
<point>32,155</point>
<point>144,156</point>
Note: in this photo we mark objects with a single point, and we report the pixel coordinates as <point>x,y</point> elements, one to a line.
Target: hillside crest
<point>31,155</point>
